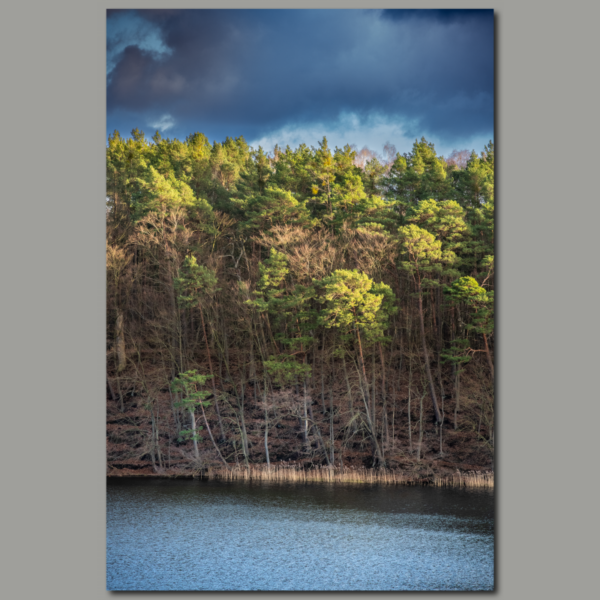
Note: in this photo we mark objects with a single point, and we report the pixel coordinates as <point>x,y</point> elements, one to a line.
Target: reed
<point>295,473</point>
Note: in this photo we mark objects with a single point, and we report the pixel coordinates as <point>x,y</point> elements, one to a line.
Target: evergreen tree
<point>481,305</point>
<point>301,247</point>
<point>353,303</point>
<point>272,207</point>
<point>424,254</point>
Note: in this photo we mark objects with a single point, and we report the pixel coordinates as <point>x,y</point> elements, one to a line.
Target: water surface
<point>201,535</point>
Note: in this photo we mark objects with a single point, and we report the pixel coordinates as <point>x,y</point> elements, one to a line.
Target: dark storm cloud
<point>461,15</point>
<point>249,72</point>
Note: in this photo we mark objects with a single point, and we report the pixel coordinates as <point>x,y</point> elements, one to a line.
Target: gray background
<point>52,249</point>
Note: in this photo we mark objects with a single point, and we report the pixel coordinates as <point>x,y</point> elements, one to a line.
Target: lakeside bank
<point>293,473</point>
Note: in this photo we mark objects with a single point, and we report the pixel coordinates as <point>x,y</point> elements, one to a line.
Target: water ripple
<point>186,535</point>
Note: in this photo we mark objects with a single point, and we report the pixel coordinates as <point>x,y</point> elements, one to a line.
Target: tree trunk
<point>365,388</point>
<point>210,367</point>
<point>266,425</point>
<point>331,437</point>
<point>456,393</point>
<point>212,439</point>
<point>373,392</point>
<point>420,427</point>
<point>177,366</point>
<point>323,375</point>
<point>305,413</point>
<point>489,356</point>
<point>155,439</point>
<point>385,428</point>
<point>319,436</point>
<point>349,389</point>
<point>193,424</point>
<point>436,409</point>
<point>112,394</point>
<point>243,431</point>
<point>120,343</point>
<point>410,446</point>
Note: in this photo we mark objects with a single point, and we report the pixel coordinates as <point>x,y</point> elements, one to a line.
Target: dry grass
<point>295,473</point>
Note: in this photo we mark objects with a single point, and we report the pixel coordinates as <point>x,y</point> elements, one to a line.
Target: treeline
<point>305,304</point>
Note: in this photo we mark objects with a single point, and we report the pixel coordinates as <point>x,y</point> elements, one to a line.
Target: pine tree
<point>424,255</point>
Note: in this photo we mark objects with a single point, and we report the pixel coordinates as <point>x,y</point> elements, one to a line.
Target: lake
<point>211,535</point>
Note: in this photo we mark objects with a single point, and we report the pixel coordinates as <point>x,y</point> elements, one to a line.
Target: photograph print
<point>300,300</point>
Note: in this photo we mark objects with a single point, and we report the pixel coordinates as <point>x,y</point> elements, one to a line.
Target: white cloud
<point>372,131</point>
<point>129,29</point>
<point>348,128</point>
<point>165,122</point>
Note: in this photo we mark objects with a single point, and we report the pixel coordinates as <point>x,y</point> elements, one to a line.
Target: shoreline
<point>294,474</point>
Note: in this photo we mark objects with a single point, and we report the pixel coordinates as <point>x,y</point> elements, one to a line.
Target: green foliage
<point>353,301</point>
<point>344,164</point>
<point>388,308</point>
<point>444,219</point>
<point>475,184</point>
<point>289,308</point>
<point>481,239</point>
<point>258,172</point>
<point>285,370</point>
<point>457,354</point>
<point>293,171</point>
<point>288,259</point>
<point>347,299</point>
<point>194,282</point>
<point>467,290</point>
<point>189,386</point>
<point>474,190</point>
<point>273,271</point>
<point>126,160</point>
<point>375,213</point>
<point>483,319</point>
<point>371,176</point>
<point>488,263</point>
<point>272,207</point>
<point>188,434</point>
<point>347,195</point>
<point>159,192</point>
<point>481,303</point>
<point>419,175</point>
<point>423,250</point>
<point>223,169</point>
<point>285,304</point>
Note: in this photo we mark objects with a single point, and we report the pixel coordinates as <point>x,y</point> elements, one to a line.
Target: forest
<point>307,307</point>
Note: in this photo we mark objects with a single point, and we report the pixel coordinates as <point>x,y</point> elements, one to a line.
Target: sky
<point>363,77</point>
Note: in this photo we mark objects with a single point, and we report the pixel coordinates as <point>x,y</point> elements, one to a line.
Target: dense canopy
<point>305,304</point>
